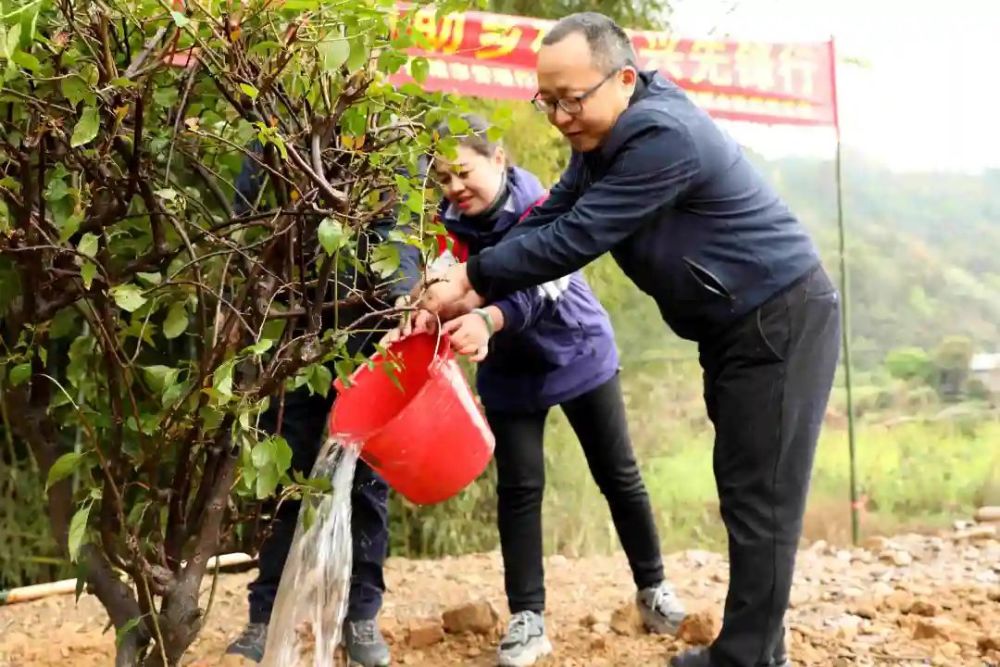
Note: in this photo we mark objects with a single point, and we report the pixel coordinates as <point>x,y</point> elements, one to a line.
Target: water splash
<point>312,596</point>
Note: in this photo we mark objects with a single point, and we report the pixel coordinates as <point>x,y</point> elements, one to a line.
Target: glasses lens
<point>571,105</point>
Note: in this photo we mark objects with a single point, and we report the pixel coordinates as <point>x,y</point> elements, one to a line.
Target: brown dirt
<point>911,600</point>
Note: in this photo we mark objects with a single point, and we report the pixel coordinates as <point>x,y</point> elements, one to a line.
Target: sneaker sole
<point>658,625</point>
<point>530,656</point>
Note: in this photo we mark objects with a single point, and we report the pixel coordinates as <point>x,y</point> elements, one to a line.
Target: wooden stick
<point>67,586</point>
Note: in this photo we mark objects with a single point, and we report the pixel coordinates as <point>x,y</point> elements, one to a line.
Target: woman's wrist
<point>496,316</point>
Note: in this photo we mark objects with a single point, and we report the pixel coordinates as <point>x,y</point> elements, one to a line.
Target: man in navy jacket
<point>655,181</point>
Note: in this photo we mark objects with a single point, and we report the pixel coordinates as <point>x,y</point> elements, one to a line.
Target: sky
<point>928,99</point>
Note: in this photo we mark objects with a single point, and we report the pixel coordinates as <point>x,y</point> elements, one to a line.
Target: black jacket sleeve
<point>655,163</point>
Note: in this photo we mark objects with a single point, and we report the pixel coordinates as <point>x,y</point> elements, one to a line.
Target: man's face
<point>566,71</point>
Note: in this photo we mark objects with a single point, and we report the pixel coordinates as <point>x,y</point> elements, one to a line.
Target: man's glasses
<point>571,104</point>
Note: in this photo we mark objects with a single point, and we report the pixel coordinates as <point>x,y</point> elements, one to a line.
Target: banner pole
<point>845,309</point>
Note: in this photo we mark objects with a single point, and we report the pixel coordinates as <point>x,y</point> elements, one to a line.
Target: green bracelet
<point>486,318</point>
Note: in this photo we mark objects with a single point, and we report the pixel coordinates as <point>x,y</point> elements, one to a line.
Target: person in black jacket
<point>300,417</point>
<point>655,182</point>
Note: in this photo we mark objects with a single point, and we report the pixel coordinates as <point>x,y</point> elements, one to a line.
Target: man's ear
<point>628,77</point>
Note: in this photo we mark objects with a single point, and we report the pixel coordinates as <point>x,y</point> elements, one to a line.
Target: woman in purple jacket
<point>542,347</point>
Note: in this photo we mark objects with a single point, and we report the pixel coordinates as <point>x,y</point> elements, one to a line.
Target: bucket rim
<point>442,355</point>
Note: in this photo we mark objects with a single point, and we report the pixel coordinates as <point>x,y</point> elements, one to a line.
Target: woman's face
<point>472,181</point>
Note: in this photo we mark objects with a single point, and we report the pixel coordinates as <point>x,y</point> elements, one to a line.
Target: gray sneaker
<point>660,608</point>
<point>365,644</point>
<point>525,641</point>
<point>250,644</point>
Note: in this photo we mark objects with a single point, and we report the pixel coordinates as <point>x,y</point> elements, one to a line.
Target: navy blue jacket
<point>557,342</point>
<point>681,209</point>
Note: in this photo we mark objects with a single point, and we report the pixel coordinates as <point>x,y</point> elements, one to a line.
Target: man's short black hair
<point>610,46</point>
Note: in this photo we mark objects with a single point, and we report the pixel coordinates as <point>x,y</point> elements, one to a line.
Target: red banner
<point>493,55</point>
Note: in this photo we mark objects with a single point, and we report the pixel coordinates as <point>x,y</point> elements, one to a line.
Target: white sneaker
<point>525,641</point>
<point>660,608</point>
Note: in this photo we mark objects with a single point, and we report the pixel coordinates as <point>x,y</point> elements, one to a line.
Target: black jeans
<point>598,418</point>
<point>303,423</point>
<point>767,382</point>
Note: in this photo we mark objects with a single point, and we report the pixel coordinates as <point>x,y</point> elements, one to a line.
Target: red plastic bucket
<point>422,431</point>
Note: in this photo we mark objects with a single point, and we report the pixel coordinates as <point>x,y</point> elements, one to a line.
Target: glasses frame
<point>571,104</point>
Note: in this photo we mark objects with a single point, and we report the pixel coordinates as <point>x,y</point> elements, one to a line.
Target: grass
<point>914,476</point>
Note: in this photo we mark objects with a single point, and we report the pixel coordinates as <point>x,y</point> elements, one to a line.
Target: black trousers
<point>598,419</point>
<point>302,425</point>
<point>767,383</point>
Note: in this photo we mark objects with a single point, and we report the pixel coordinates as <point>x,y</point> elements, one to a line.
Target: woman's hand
<point>470,334</point>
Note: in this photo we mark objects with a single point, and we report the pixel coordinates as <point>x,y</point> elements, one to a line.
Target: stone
<point>473,652</point>
<point>626,621</point>
<point>988,514</point>
<point>598,643</point>
<point>865,610</point>
<point>700,628</point>
<point>476,617</point>
<point>976,533</point>
<point>425,632</point>
<point>928,629</point>
<point>877,543</point>
<point>988,643</point>
<point>922,608</point>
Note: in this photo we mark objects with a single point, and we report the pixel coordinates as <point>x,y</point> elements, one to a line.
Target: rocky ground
<point>909,600</point>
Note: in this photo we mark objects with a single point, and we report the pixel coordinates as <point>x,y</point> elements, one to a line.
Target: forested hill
<point>923,249</point>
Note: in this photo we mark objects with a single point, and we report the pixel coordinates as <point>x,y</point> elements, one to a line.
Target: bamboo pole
<point>67,586</point>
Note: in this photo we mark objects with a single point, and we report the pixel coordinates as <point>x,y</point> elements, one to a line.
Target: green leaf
<point>27,61</point>
<point>180,19</point>
<point>20,373</point>
<point>174,392</point>
<point>165,97</point>
<point>267,481</point>
<point>458,125</point>
<point>259,347</point>
<point>282,454</point>
<point>267,45</point>
<point>359,54</point>
<point>64,466</point>
<point>13,38</point>
<point>262,453</point>
<point>390,60</point>
<point>320,379</point>
<point>70,226</point>
<point>122,633</point>
<point>385,260</point>
<point>87,273</point>
<point>176,322</point>
<point>128,297</point>
<point>331,235</point>
<point>88,245</point>
<point>168,194</point>
<point>78,531</point>
<point>150,278</point>
<point>420,69</point>
<point>333,53</point>
<point>86,128</point>
<point>56,190</point>
<point>249,91</point>
<point>161,378</point>
<point>222,379</point>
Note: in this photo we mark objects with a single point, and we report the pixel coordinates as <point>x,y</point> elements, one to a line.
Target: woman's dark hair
<point>475,137</point>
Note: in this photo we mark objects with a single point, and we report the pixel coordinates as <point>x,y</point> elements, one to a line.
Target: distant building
<point>986,369</point>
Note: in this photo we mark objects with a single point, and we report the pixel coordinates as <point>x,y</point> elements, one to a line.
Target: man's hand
<point>445,291</point>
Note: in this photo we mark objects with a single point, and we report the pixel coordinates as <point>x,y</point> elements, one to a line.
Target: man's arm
<point>655,166</point>
<point>523,308</point>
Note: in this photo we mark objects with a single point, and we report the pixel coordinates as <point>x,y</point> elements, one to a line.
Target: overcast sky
<point>930,98</point>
